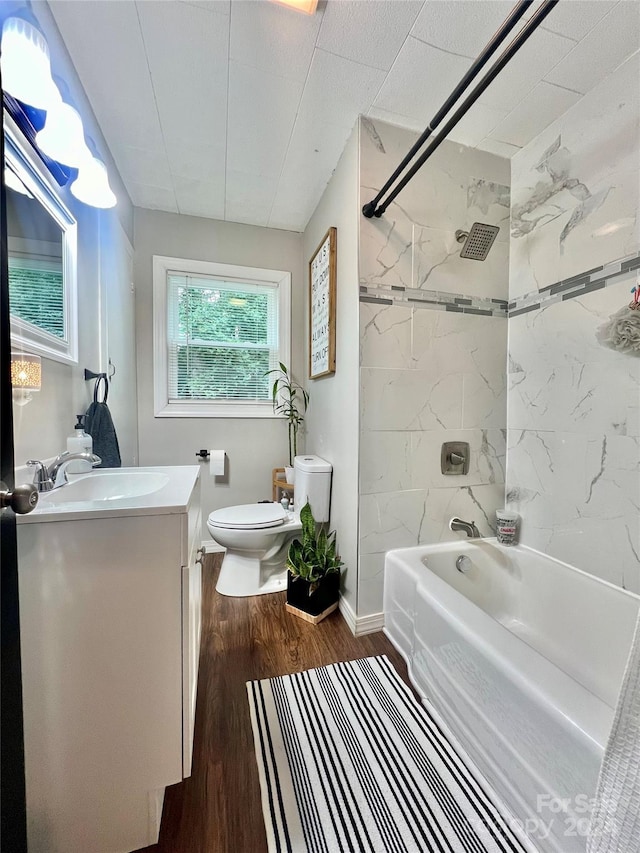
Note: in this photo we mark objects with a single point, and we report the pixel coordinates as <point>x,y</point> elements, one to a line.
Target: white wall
<point>42,426</point>
<point>254,446</point>
<point>332,420</point>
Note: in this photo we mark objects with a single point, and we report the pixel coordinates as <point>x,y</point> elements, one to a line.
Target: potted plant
<point>313,576</point>
<point>290,400</point>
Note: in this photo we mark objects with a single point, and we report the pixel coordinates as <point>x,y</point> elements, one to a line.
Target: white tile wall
<point>573,469</point>
<point>428,376</point>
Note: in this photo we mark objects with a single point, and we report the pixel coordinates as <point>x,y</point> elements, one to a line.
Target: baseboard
<point>369,624</point>
<point>360,625</point>
<point>211,547</point>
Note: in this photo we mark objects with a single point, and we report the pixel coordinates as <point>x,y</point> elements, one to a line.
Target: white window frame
<point>165,408</point>
<point>24,335</point>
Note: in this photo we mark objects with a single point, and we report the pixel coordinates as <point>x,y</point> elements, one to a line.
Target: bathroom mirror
<point>42,256</point>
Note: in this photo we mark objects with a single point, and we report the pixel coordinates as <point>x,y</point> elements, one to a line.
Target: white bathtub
<point>523,656</point>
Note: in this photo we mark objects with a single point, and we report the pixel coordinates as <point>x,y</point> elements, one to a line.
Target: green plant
<point>290,400</point>
<point>315,556</point>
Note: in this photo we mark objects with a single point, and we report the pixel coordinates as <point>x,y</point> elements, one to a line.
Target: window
<point>217,330</point>
<point>41,242</point>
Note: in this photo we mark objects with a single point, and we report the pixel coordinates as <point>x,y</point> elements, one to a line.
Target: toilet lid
<point>248,516</point>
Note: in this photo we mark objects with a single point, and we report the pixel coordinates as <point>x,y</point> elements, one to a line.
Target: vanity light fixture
<point>307,7</point>
<point>92,184</point>
<point>26,376</point>
<point>26,76</point>
<point>62,137</point>
<point>26,66</point>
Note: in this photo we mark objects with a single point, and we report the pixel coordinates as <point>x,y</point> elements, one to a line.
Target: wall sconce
<point>26,376</point>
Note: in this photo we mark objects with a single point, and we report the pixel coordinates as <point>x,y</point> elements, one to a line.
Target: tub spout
<point>469,527</point>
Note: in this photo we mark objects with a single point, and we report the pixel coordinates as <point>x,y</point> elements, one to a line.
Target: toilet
<point>257,536</point>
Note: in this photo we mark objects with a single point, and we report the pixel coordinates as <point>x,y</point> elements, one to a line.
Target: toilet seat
<point>248,517</point>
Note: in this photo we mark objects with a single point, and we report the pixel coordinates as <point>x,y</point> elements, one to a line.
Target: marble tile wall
<point>429,372</point>
<point>573,446</point>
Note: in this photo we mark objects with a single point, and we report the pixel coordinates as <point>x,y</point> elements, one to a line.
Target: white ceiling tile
<point>366,32</point>
<point>249,197</point>
<point>187,49</point>
<point>574,18</point>
<point>395,118</point>
<point>544,104</point>
<point>421,79</point>
<point>615,38</point>
<point>463,27</point>
<point>313,154</point>
<point>154,198</point>
<point>103,35</point>
<point>195,158</point>
<point>200,198</point>
<point>536,57</point>
<point>273,38</point>
<point>501,149</point>
<point>222,7</point>
<point>338,89</point>
<point>262,110</point>
<point>141,166</point>
<point>476,124</point>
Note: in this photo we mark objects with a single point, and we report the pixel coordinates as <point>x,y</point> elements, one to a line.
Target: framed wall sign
<point>322,308</point>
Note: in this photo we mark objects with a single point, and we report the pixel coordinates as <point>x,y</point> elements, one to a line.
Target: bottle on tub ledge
<point>507,526</point>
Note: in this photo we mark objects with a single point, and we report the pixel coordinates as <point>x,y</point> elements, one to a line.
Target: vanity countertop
<point>117,492</point>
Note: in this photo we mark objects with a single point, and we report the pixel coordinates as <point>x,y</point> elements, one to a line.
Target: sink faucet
<point>469,527</point>
<point>56,474</point>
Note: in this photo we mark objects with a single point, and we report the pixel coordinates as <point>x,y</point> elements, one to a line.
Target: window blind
<point>36,293</point>
<point>222,338</point>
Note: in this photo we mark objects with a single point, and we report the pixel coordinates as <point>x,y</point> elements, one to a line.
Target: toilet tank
<point>313,483</point>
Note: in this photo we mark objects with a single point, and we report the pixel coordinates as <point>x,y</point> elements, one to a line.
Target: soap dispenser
<point>79,442</point>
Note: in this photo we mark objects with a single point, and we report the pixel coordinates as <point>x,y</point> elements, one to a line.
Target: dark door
<point>13,824</point>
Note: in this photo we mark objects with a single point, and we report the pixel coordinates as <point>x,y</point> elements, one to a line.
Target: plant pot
<point>289,474</point>
<point>315,606</point>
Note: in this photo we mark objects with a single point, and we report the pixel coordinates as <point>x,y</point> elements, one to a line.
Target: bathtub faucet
<point>469,527</point>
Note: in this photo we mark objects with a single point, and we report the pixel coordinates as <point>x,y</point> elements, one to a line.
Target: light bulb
<point>26,67</point>
<point>92,185</point>
<point>62,137</point>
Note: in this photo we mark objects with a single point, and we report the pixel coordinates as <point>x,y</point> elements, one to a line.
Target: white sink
<point>121,492</point>
<point>106,486</point>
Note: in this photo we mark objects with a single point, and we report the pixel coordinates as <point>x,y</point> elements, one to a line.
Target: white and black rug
<point>350,761</point>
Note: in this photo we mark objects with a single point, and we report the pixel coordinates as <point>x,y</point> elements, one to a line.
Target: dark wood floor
<point>217,810</point>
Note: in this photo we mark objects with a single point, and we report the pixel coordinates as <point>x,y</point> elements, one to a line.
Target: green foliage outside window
<point>228,349</point>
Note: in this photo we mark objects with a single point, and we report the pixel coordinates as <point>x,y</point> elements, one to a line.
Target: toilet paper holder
<point>202,454</point>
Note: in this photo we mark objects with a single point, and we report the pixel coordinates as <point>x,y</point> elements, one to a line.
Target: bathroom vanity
<point>110,597</point>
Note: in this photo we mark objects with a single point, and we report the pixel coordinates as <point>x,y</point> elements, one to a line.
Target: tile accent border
<point>577,285</point>
<point>559,291</point>
<point>435,300</point>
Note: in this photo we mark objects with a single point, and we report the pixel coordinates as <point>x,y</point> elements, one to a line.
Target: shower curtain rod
<point>373,207</point>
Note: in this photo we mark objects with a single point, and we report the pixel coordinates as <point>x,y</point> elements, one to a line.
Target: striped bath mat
<point>350,761</point>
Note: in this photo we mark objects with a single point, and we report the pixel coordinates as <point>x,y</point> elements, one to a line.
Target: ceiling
<point>239,110</point>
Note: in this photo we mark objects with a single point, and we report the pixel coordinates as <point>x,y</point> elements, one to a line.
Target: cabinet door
<point>191,626</point>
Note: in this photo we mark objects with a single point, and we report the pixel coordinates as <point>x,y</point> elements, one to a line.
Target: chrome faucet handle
<point>41,477</point>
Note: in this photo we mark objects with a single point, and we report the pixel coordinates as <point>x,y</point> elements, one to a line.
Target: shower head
<point>478,241</point>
